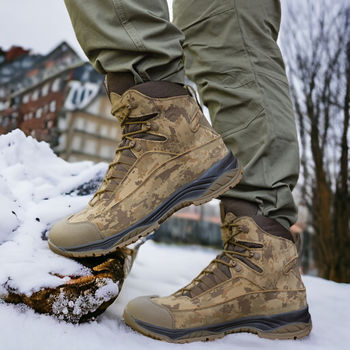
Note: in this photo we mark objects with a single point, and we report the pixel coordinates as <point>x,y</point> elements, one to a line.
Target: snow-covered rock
<point>37,188</point>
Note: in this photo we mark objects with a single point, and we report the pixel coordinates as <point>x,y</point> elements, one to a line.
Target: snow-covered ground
<point>162,269</point>
<point>37,189</point>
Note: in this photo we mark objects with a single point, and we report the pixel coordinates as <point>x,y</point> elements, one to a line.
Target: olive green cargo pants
<point>228,48</point>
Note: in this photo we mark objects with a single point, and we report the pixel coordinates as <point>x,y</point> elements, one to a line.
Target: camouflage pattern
<point>185,149</point>
<point>277,289</point>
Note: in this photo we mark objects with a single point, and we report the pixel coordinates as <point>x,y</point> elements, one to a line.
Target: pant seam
<point>128,27</point>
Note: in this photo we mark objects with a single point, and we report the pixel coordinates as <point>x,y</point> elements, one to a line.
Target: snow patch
<point>37,189</point>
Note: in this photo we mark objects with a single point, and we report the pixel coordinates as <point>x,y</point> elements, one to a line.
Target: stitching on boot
<point>290,265</point>
<point>195,121</point>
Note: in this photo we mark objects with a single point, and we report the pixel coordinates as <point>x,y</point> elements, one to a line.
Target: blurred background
<point>50,91</point>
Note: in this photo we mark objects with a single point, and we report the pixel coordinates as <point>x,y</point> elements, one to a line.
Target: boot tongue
<point>226,232</point>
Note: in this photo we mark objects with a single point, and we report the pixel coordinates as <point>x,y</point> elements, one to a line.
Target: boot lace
<point>123,112</point>
<point>226,252</point>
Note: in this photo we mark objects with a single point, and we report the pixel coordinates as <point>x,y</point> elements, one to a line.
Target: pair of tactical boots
<point>169,158</point>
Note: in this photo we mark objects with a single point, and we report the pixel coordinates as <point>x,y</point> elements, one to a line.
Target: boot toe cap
<point>145,310</point>
<point>66,234</point>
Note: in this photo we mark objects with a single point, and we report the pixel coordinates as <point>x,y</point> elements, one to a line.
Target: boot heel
<point>221,185</point>
<point>291,331</point>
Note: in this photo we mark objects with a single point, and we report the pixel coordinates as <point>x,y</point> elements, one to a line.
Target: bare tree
<point>316,45</point>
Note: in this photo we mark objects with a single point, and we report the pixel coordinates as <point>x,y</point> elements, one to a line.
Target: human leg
<point>169,157</point>
<point>232,55</point>
<point>254,285</point>
<point>129,36</point>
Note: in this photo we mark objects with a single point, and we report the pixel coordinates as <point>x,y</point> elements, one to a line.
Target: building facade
<point>58,99</point>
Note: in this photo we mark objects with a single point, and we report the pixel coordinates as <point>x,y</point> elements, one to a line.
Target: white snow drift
<point>36,189</point>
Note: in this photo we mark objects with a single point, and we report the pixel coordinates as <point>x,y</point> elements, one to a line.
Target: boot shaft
<point>176,123</point>
<point>271,261</point>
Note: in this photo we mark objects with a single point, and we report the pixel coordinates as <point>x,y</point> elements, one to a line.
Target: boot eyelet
<point>148,126</point>
<point>237,268</point>
<point>131,105</point>
<point>233,263</point>
<point>256,256</point>
<point>244,229</point>
<point>251,254</point>
<point>154,126</point>
<point>137,147</point>
<point>132,143</point>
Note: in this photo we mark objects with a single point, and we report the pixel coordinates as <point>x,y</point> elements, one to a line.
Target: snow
<point>162,269</point>
<point>84,304</point>
<point>36,189</point>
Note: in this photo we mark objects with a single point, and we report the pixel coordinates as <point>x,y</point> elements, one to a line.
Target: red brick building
<point>59,99</point>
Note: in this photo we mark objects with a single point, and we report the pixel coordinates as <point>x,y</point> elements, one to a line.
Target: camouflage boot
<point>169,158</point>
<point>253,286</point>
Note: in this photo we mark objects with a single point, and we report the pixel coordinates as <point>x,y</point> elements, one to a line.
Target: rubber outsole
<point>214,186</point>
<point>268,327</point>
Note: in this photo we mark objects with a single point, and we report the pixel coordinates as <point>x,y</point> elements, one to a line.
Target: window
<point>52,106</point>
<point>80,124</point>
<point>45,89</point>
<point>39,113</point>
<point>104,130</point>
<point>114,133</point>
<point>49,124</point>
<point>26,98</point>
<point>105,151</point>
<point>2,93</point>
<point>90,147</point>
<point>76,143</point>
<point>56,85</point>
<point>35,95</point>
<point>91,127</point>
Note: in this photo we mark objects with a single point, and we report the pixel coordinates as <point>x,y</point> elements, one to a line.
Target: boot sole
<point>289,325</point>
<point>222,176</point>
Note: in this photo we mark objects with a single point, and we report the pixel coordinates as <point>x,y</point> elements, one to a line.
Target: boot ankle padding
<point>161,89</point>
<point>273,227</point>
<point>240,208</point>
<point>120,82</point>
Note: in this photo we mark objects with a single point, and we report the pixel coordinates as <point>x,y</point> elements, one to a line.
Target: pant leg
<point>129,36</point>
<point>232,55</point>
